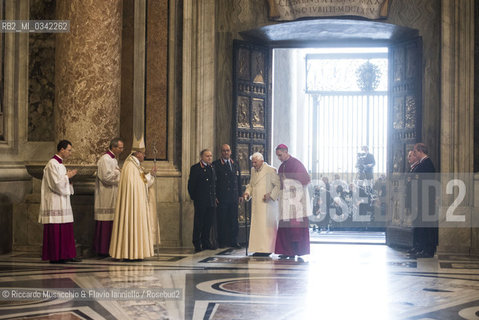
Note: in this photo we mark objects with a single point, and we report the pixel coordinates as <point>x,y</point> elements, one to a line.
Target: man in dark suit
<point>425,163</point>
<point>228,191</point>
<point>425,237</point>
<point>365,164</point>
<point>202,190</point>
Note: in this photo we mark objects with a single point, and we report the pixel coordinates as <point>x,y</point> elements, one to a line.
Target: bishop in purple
<point>293,230</point>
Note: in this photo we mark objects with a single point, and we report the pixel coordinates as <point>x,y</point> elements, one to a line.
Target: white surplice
<point>55,204</point>
<point>264,215</point>
<point>106,187</point>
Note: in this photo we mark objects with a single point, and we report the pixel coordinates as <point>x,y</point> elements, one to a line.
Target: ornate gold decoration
<point>258,67</point>
<point>258,113</point>
<point>243,158</point>
<point>411,62</point>
<point>399,62</point>
<point>258,148</point>
<point>410,112</point>
<point>398,111</point>
<point>243,112</point>
<point>398,160</point>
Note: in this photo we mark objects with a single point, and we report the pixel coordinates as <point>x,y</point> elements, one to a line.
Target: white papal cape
<point>55,204</point>
<point>264,215</point>
<point>135,225</point>
<point>106,187</point>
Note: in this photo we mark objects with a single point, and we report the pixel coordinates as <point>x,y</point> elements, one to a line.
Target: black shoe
<point>261,254</point>
<point>133,260</point>
<point>283,257</point>
<point>209,247</point>
<point>74,260</point>
<point>424,254</point>
<point>61,261</point>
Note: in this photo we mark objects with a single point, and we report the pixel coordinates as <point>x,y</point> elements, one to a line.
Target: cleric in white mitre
<point>55,209</point>
<point>106,190</point>
<point>135,225</point>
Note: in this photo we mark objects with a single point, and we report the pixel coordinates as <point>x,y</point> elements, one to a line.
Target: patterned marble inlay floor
<point>337,281</point>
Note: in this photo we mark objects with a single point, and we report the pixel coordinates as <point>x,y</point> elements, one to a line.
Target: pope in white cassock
<point>135,225</point>
<point>55,209</point>
<point>263,188</point>
<point>106,190</point>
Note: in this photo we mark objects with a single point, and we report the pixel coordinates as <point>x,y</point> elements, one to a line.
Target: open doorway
<point>256,125</point>
<point>330,106</point>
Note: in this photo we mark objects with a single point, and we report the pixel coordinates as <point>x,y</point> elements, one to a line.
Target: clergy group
<point>126,222</point>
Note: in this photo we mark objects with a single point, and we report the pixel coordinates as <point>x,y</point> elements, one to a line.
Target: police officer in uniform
<point>202,190</point>
<point>228,193</point>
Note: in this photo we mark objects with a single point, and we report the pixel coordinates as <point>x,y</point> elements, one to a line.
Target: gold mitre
<point>138,145</point>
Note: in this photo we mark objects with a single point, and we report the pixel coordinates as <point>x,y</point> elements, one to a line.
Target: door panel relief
<point>251,106</point>
<point>404,131</point>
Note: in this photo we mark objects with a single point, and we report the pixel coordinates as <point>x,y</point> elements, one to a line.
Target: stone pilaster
<point>457,120</point>
<point>198,105</point>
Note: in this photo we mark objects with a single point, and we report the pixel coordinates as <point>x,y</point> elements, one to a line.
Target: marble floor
<point>337,281</point>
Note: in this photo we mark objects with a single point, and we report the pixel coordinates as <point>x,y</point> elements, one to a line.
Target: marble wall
<point>127,66</point>
<point>87,77</point>
<point>41,75</point>
<point>156,74</point>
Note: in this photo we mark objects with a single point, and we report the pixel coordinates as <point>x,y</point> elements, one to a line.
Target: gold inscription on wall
<point>287,10</point>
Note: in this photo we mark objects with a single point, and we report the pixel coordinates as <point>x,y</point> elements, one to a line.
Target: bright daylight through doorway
<point>327,104</point>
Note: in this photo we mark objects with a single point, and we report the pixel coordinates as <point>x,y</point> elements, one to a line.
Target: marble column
<point>87,76</point>
<point>87,96</point>
<point>457,124</point>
